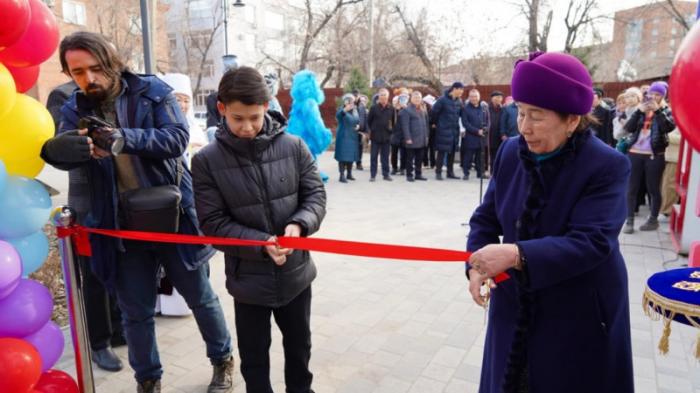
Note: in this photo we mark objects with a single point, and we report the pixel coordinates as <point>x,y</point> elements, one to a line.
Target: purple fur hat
<point>554,81</point>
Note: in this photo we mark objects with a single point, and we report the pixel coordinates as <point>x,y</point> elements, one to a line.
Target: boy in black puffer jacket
<point>257,182</point>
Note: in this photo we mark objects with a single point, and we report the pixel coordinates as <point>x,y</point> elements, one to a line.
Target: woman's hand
<point>476,281</point>
<point>494,259</point>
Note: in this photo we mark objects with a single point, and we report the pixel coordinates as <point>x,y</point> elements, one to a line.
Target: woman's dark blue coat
<point>578,337</point>
<point>347,148</point>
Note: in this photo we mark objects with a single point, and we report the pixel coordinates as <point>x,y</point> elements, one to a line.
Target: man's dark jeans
<point>253,330</point>
<point>382,150</point>
<point>137,275</point>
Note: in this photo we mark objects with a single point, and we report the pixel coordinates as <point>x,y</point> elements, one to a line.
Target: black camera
<point>103,134</point>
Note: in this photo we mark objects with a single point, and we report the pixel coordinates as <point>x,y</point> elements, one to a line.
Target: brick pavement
<point>392,327</point>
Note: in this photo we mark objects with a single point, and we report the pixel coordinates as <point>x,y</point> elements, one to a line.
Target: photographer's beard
<point>95,92</point>
<point>98,93</point>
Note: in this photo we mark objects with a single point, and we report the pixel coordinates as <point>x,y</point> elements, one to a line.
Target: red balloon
<point>24,78</point>
<point>684,86</point>
<point>55,381</point>
<point>16,15</point>
<point>37,43</point>
<point>20,365</point>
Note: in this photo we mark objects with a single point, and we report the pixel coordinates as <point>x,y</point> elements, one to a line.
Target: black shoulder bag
<point>153,209</point>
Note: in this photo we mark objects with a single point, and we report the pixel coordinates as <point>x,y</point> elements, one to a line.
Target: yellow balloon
<point>8,92</point>
<point>24,130</point>
<point>27,168</point>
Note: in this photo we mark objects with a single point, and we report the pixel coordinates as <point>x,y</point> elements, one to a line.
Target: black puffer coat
<point>661,124</point>
<point>252,189</point>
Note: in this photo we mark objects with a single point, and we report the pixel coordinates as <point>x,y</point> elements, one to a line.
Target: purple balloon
<point>10,269</point>
<point>49,342</point>
<point>25,310</point>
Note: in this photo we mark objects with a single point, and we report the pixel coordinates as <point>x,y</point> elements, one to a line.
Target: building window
<point>249,13</point>
<point>674,31</point>
<point>198,38</point>
<point>208,69</point>
<point>199,9</point>
<point>275,47</point>
<point>672,43</point>
<point>74,12</point>
<point>274,20</point>
<point>201,99</point>
<point>652,53</point>
<point>135,24</point>
<point>633,38</point>
<point>172,42</point>
<point>249,42</point>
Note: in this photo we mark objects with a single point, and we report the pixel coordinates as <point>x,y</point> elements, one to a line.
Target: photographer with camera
<point>129,135</point>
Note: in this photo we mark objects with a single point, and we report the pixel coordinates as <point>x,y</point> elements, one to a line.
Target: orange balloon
<point>20,365</point>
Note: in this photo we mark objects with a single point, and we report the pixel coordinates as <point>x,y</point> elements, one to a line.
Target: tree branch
<point>277,62</point>
<point>676,14</point>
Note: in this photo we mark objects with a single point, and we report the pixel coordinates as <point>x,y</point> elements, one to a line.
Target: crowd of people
<point>409,132</point>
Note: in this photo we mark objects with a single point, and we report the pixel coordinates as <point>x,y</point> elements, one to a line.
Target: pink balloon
<point>49,342</point>
<point>10,269</point>
<point>25,310</point>
<point>25,77</point>
<point>37,43</point>
<point>16,15</point>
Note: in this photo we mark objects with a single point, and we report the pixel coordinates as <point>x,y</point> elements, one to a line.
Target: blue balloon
<point>33,250</point>
<point>3,176</point>
<point>25,207</point>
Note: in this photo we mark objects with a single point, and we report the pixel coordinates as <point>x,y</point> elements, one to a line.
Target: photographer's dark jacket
<point>661,124</point>
<point>252,189</point>
<point>155,135</point>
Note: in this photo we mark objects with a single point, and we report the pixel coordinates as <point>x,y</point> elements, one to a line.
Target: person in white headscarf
<point>182,89</point>
<point>170,302</point>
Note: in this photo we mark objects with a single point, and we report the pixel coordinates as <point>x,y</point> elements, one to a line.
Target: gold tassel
<point>697,348</point>
<point>663,343</point>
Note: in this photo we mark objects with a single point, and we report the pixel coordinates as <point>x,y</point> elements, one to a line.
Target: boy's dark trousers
<point>253,331</point>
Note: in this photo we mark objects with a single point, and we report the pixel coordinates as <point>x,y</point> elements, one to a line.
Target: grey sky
<point>480,18</point>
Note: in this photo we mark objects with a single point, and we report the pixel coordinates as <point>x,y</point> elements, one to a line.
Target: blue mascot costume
<point>305,118</point>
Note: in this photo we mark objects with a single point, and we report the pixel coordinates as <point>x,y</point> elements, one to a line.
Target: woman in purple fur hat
<point>557,198</point>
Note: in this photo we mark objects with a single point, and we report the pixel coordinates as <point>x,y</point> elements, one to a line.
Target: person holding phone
<point>347,150</point>
<point>648,130</point>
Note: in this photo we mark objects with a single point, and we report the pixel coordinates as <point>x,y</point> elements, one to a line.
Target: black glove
<point>68,147</point>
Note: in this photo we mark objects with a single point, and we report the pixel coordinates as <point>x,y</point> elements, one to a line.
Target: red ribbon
<point>79,235</point>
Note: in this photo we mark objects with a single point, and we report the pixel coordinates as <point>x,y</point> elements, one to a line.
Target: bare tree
<point>120,23</point>
<point>579,16</point>
<point>531,9</point>
<point>430,77</point>
<point>198,40</point>
<point>676,14</point>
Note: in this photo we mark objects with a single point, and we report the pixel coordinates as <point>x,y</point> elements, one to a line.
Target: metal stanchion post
<point>64,216</point>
